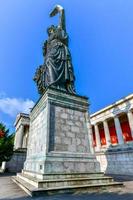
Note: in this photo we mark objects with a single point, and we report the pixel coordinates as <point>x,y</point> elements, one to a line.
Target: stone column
<point>98,141</point>
<point>130,120</point>
<point>20,137</point>
<point>16,139</point>
<point>118,130</point>
<point>107,133</point>
<point>3,167</point>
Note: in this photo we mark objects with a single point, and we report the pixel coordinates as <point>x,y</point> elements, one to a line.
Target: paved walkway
<point>9,190</point>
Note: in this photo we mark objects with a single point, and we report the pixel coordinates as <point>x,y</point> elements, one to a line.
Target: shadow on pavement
<point>101,196</point>
<point>121,178</point>
<point>7,174</point>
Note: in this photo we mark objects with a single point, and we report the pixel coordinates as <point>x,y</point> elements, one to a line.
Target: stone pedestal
<point>60,157</point>
<point>59,136</point>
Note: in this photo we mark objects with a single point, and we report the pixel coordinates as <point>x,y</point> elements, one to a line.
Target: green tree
<point>6,143</point>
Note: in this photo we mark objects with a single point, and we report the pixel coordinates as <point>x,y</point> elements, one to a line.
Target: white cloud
<point>13,106</point>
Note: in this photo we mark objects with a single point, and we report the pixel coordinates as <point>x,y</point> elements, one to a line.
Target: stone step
<point>78,189</point>
<point>84,188</point>
<point>31,180</point>
<point>52,177</point>
<point>27,187</point>
<point>64,182</point>
<point>65,175</point>
<point>70,182</point>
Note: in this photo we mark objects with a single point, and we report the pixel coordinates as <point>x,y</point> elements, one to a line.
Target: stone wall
<point>37,140</point>
<point>117,161</point>
<point>69,133</point>
<point>17,162</point>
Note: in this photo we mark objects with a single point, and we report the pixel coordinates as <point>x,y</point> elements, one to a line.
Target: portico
<point>113,125</point>
<point>112,135</point>
<point>22,130</point>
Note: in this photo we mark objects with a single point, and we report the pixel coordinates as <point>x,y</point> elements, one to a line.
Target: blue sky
<point>101,44</point>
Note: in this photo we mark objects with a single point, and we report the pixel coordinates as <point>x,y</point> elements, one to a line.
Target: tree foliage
<point>6,143</point>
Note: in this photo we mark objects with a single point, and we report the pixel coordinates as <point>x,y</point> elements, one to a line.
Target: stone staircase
<point>66,183</point>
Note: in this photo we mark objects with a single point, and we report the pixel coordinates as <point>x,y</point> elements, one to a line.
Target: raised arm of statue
<point>55,11</point>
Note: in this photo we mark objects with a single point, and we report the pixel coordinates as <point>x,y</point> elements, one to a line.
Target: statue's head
<point>51,30</point>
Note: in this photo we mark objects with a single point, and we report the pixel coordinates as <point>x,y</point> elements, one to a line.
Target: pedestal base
<point>65,163</point>
<point>60,156</point>
<point>67,183</point>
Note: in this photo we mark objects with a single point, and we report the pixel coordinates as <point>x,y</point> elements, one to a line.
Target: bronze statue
<point>57,70</point>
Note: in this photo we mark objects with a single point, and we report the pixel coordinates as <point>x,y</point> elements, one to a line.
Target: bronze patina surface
<point>57,70</point>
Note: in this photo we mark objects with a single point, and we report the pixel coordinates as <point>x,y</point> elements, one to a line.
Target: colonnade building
<point>21,124</point>
<point>112,135</point>
<point>113,125</point>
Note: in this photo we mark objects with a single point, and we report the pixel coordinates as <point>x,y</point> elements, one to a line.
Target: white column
<point>98,141</point>
<point>20,133</point>
<point>107,133</point>
<point>118,130</point>
<point>15,140</point>
<point>3,167</point>
<point>130,120</point>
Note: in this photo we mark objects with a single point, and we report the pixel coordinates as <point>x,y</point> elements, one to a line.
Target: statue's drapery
<point>58,67</point>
